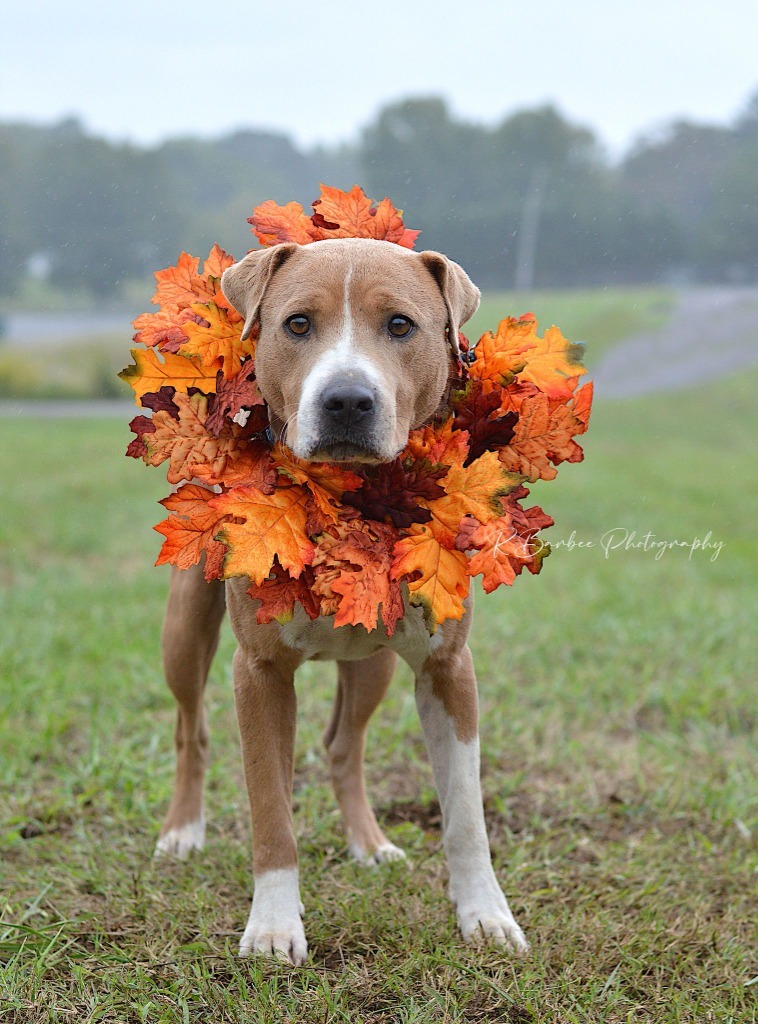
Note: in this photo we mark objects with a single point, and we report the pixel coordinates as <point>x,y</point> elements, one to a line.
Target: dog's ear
<point>245,283</point>
<point>458,290</point>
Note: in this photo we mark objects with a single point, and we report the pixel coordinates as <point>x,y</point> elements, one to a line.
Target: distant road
<point>711,333</point>
<point>66,410</point>
<point>50,327</point>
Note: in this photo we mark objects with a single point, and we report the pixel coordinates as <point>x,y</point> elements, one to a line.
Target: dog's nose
<point>347,404</point>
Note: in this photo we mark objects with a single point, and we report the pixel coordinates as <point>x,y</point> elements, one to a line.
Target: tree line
<point>532,201</point>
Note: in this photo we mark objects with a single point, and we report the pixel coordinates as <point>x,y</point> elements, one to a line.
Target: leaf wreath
<point>339,542</point>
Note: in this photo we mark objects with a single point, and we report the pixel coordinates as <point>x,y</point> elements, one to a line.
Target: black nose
<point>347,404</point>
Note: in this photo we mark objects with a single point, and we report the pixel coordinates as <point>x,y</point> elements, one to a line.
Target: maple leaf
<point>163,329</point>
<point>187,445</point>
<point>473,490</point>
<point>479,413</point>
<point>358,556</point>
<point>279,593</point>
<point>439,443</point>
<point>267,525</point>
<point>552,363</point>
<point>352,215</point>
<point>391,492</point>
<point>233,394</point>
<point>581,405</point>
<point>436,576</point>
<point>274,224</point>
<point>326,481</point>
<point>252,466</point>
<point>190,531</point>
<point>216,263</point>
<point>181,285</point>
<point>542,436</point>
<point>149,374</point>
<point>499,356</point>
<point>216,340</point>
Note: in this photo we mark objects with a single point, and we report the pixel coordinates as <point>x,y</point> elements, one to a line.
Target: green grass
<point>618,728</point>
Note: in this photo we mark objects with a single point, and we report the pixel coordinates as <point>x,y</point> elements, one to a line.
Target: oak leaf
<point>217,339</point>
<point>149,373</point>
<point>392,491</point>
<point>439,443</point>
<point>479,413</point>
<point>542,439</point>
<point>233,394</point>
<point>353,215</point>
<point>274,224</point>
<point>326,481</point>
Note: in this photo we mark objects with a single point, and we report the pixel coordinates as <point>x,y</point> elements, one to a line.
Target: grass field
<point>618,717</point>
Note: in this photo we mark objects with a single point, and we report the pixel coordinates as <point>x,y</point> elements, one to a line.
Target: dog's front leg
<point>266,705</point>
<point>446,697</point>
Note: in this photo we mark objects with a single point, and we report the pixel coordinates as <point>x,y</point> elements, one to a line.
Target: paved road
<point>712,332</point>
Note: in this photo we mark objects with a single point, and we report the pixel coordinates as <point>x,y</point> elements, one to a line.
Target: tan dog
<point>354,351</point>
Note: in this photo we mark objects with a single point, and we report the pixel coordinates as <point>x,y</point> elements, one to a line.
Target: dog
<point>354,351</point>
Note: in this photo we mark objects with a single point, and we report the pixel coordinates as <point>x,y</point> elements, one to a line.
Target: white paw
<point>180,842</point>
<point>379,855</point>
<point>491,924</point>
<point>275,927</point>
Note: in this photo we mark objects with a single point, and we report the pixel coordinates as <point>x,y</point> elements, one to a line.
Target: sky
<point>320,71</point>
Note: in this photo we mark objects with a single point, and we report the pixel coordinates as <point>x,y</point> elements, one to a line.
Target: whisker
<point>287,422</point>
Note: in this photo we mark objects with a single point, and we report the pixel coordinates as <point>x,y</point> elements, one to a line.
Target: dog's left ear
<point>458,290</point>
<point>245,283</point>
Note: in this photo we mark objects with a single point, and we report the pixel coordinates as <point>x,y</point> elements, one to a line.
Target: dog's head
<point>355,342</point>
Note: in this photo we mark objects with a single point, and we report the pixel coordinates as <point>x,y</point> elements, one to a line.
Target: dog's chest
<point>319,640</point>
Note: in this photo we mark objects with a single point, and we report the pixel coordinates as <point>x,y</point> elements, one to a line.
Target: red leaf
<point>391,492</point>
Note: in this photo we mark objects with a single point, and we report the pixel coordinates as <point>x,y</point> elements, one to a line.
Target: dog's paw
<point>180,842</point>
<point>275,925</point>
<point>283,940</point>
<point>381,854</point>
<point>493,925</point>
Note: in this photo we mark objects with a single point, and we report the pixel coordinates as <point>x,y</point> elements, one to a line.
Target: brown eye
<point>400,326</point>
<point>298,325</point>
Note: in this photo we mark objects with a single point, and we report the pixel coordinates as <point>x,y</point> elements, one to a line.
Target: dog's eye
<point>298,325</point>
<point>400,326</point>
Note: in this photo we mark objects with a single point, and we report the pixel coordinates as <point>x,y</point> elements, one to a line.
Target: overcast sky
<point>320,70</point>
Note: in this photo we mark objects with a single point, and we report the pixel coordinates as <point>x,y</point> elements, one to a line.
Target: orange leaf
<point>439,580</point>
<point>473,490</point>
<point>279,592</point>
<point>542,436</point>
<point>219,344</point>
<point>188,446</point>
<point>439,444</point>
<point>502,354</point>
<point>162,329</point>
<point>353,215</point>
<point>552,363</point>
<point>191,530</point>
<point>326,481</point>
<point>149,374</point>
<point>504,546</point>
<point>273,525</point>
<point>181,285</point>
<point>274,224</point>
<point>217,262</point>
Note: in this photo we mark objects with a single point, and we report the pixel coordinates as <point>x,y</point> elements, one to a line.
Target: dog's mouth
<point>342,449</point>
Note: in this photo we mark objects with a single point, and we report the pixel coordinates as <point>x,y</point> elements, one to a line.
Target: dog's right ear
<point>245,283</point>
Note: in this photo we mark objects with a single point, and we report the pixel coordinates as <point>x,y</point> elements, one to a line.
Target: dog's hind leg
<point>190,637</point>
<point>361,686</point>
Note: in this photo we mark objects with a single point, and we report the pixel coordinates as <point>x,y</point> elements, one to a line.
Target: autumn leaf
<point>279,593</point>
<point>436,576</point>
<point>542,439</point>
<point>187,445</point>
<point>274,224</point>
<point>478,412</point>
<point>473,490</point>
<point>326,481</point>
<point>352,215</point>
<point>162,399</point>
<point>216,340</point>
<point>499,356</point>
<point>440,443</point>
<point>581,405</point>
<point>252,466</point>
<point>150,374</point>
<point>233,394</point>
<point>271,525</point>
<point>360,555</point>
<point>552,363</point>
<point>163,329</point>
<point>190,531</point>
<point>140,425</point>
<point>391,492</point>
